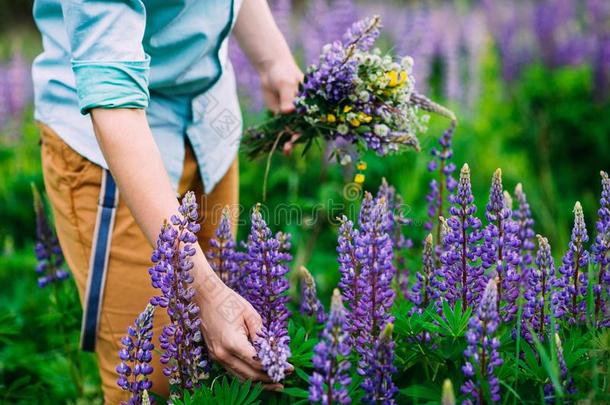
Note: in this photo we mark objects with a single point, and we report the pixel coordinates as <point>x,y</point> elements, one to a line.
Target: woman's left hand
<point>280,84</point>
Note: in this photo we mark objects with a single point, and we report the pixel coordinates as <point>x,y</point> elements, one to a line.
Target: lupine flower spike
<point>448,397</point>
<point>136,355</point>
<point>463,276</point>
<point>438,281</point>
<point>330,380</point>
<point>537,292</point>
<point>601,253</point>
<point>310,303</point>
<point>378,385</point>
<point>266,287</point>
<point>374,252</point>
<point>48,252</point>
<point>508,200</point>
<point>222,255</point>
<point>184,355</point>
<point>396,218</point>
<point>423,292</point>
<point>401,244</point>
<point>500,248</point>
<point>446,183</point>
<point>523,217</point>
<point>571,296</point>
<point>564,378</point>
<point>351,284</point>
<point>482,357</point>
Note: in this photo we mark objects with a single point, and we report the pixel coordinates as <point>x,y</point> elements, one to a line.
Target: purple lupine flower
<point>18,76</point>
<point>601,249</point>
<point>538,291</point>
<point>441,161</point>
<point>362,34</point>
<point>374,253</point>
<point>570,297</point>
<point>335,72</point>
<point>463,277</point>
<point>397,222</point>
<point>266,287</point>
<point>438,282</point>
<point>136,356</point>
<point>565,379</point>
<point>48,252</point>
<point>330,380</point>
<point>499,250</point>
<point>523,217</point>
<point>482,357</point>
<point>378,385</point>
<point>351,283</point>
<point>184,354</point>
<point>396,217</point>
<point>332,64</point>
<point>222,256</point>
<point>310,303</point>
<point>423,291</point>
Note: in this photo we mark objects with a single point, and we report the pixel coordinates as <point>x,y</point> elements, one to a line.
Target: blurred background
<point>529,81</point>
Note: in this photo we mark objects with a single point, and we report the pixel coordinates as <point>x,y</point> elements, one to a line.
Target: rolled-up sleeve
<point>108,59</point>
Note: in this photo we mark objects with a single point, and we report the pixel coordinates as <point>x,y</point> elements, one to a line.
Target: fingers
<point>271,101</point>
<point>287,94</point>
<point>273,387</point>
<point>247,354</point>
<point>244,370</point>
<point>253,322</point>
<point>289,146</point>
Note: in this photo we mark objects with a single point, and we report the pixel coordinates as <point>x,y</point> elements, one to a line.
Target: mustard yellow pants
<point>73,186</point>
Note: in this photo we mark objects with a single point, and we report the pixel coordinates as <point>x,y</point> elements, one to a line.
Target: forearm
<point>135,162</point>
<point>258,34</point>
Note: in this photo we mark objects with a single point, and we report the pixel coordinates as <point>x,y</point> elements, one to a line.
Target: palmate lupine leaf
<point>300,346</point>
<point>411,325</point>
<point>224,392</point>
<point>453,321</point>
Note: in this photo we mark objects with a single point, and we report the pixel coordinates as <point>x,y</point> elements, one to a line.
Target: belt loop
<point>98,262</point>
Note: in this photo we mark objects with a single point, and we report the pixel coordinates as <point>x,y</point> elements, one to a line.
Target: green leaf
<point>421,392</point>
<point>550,367</point>
<point>296,392</point>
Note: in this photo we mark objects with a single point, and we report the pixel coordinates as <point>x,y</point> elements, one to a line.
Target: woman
<point>137,105</point>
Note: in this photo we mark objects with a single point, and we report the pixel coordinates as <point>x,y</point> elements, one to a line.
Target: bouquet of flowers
<point>356,97</point>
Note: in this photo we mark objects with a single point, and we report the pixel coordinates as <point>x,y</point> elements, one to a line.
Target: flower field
<point>475,270</point>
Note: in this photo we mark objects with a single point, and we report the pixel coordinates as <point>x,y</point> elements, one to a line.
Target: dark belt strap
<point>98,263</point>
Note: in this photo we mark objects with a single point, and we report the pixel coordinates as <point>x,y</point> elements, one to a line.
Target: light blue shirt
<point>169,57</point>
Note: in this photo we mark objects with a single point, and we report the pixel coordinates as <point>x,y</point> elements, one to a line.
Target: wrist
<point>265,64</point>
<point>206,283</point>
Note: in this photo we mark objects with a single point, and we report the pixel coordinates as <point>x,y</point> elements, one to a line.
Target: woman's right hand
<point>229,325</point>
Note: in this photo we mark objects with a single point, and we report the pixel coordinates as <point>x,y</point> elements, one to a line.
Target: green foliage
<point>224,392</point>
<point>545,131</point>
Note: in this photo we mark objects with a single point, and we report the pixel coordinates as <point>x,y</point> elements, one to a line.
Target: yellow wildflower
<point>359,178</point>
<point>355,122</point>
<point>364,117</point>
<point>347,109</point>
<point>403,76</point>
<point>361,166</point>
<point>392,78</point>
<point>395,78</point>
<point>331,118</point>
